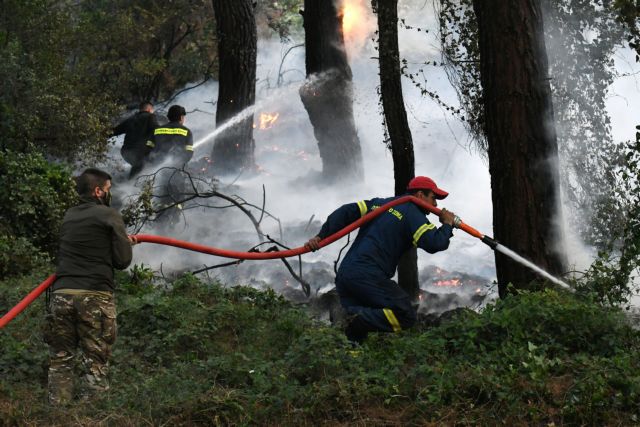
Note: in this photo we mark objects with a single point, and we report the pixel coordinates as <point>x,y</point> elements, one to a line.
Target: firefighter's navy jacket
<point>364,280</point>
<point>382,241</point>
<point>172,139</point>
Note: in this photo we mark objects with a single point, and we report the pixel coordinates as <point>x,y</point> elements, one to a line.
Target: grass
<point>194,353</point>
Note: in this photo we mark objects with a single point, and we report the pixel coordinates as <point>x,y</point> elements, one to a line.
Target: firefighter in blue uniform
<point>371,299</point>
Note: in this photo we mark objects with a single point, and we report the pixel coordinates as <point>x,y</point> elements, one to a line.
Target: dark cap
<point>175,112</point>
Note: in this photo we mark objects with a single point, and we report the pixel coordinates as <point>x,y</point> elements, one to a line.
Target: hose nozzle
<point>490,242</point>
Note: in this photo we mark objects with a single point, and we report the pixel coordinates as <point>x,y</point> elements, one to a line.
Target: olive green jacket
<point>93,241</point>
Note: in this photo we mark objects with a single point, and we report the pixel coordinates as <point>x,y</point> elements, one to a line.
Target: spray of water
<point>277,95</point>
<point>511,254</point>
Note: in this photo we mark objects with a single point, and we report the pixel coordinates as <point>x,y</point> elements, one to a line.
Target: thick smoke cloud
<point>289,164</point>
<point>289,167</point>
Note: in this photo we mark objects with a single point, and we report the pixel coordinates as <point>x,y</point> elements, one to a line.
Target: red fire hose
<point>255,255</point>
<point>27,300</point>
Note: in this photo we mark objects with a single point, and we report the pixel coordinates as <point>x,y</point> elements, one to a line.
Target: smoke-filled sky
<point>288,156</point>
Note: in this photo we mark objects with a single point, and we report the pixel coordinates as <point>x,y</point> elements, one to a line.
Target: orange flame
<point>349,16</point>
<point>357,24</point>
<point>267,120</point>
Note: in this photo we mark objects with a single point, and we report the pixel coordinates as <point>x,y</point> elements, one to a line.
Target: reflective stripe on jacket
<point>172,139</point>
<point>380,243</point>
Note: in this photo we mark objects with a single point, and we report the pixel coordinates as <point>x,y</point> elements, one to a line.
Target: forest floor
<point>195,353</point>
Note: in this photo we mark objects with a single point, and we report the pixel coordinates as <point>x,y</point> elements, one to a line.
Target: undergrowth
<point>195,353</point>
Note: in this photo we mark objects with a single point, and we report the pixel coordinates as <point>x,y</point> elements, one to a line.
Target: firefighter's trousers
<point>375,305</point>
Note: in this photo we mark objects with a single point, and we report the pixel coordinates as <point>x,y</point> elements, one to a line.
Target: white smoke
<point>288,156</point>
<point>622,99</point>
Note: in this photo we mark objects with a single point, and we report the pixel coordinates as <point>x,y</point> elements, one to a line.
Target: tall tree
<point>233,149</point>
<point>399,135</point>
<point>520,131</point>
<point>328,94</point>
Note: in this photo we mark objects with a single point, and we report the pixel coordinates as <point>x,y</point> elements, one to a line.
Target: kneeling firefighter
<point>371,299</point>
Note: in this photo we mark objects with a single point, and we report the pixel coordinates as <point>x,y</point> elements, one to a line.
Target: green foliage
<point>66,66</point>
<point>140,208</point>
<point>23,356</point>
<point>44,101</point>
<point>146,50</point>
<point>18,256</point>
<point>582,37</point>
<point>282,17</point>
<point>460,49</point>
<point>610,275</point>
<point>34,194</point>
<point>629,15</point>
<point>192,353</point>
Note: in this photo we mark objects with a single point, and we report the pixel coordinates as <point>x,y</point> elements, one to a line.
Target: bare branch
<point>305,286</point>
<point>186,89</point>
<point>224,264</point>
<point>189,200</point>
<point>264,202</point>
<point>279,81</point>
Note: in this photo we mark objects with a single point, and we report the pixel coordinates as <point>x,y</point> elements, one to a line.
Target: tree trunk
<point>233,150</point>
<point>521,136</point>
<point>395,116</point>
<point>328,94</point>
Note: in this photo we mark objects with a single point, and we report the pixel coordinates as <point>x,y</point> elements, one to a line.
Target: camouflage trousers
<point>81,327</point>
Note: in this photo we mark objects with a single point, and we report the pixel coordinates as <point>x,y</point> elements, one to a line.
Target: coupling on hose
<point>490,242</point>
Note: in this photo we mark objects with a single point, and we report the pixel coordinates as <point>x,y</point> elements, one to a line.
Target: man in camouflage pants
<point>82,318</point>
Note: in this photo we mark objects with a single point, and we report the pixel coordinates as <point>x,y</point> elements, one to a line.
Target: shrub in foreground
<point>195,353</point>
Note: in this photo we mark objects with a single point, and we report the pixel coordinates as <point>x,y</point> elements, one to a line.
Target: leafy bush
<point>23,356</point>
<point>609,278</point>
<point>44,101</point>
<point>194,353</point>
<point>18,256</point>
<point>34,195</point>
